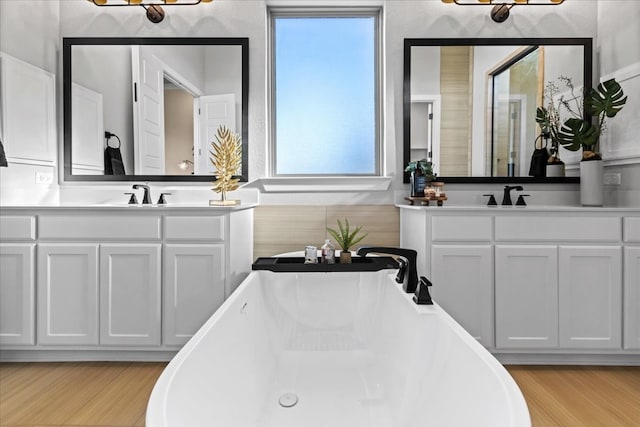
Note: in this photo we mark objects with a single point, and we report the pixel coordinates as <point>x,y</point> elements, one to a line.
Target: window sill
<point>322,184</point>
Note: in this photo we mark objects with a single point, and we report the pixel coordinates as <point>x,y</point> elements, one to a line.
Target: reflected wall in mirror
<point>470,104</point>
<point>148,108</point>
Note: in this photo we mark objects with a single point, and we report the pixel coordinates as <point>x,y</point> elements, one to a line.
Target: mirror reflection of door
<point>148,117</point>
<point>215,110</point>
<point>517,89</point>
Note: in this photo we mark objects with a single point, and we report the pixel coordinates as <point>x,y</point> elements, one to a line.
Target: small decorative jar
<point>438,188</point>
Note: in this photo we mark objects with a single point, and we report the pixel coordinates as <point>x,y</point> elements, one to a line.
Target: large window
<point>325,93</point>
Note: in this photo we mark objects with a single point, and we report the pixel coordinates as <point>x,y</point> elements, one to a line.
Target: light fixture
<point>155,13</point>
<point>184,165</point>
<point>500,10</point>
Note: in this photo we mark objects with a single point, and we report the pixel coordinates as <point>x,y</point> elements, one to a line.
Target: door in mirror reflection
<point>517,88</point>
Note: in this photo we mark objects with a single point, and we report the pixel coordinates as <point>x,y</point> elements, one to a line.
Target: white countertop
<point>523,209</point>
<point>133,208</point>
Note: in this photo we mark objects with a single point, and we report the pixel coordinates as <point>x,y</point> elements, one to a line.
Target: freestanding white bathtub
<point>332,350</point>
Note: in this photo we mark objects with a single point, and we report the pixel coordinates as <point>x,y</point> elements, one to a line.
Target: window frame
<point>273,13</point>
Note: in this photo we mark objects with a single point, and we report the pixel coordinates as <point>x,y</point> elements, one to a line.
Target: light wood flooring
<point>116,394</point>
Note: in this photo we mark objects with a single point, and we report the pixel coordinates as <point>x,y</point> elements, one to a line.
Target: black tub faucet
<point>146,199</point>
<point>506,199</point>
<point>409,254</point>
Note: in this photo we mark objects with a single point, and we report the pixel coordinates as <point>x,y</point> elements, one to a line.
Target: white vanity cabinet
<point>130,294</point>
<point>460,251</point>
<point>17,280</point>
<point>194,274</point>
<point>115,283</point>
<point>631,318</point>
<point>67,294</point>
<point>17,292</point>
<point>94,286</point>
<point>193,288</point>
<point>526,289</point>
<point>553,278</point>
<point>98,294</point>
<point>590,297</point>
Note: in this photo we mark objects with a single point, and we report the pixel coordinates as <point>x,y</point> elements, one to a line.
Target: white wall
<point>30,32</point>
<point>247,18</point>
<point>618,55</point>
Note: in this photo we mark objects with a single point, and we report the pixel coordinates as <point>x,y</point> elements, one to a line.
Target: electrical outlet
<point>44,178</point>
<point>611,179</point>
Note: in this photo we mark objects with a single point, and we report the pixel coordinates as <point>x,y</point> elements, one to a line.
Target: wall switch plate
<point>611,179</point>
<point>44,177</point>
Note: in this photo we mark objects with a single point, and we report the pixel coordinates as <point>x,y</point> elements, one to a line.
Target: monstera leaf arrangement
<point>602,102</point>
<point>226,157</point>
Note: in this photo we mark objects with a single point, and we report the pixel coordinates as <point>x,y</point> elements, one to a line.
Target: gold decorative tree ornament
<point>226,158</point>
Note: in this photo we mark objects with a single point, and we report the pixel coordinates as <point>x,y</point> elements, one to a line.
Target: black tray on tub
<point>297,265</point>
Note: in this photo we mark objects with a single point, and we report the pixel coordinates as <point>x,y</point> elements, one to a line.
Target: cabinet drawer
<point>632,229</point>
<point>209,228</point>
<point>21,228</point>
<point>461,228</point>
<point>122,227</point>
<point>550,228</point>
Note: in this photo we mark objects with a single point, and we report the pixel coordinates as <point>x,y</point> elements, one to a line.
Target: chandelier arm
<point>111,3</point>
<point>507,3</point>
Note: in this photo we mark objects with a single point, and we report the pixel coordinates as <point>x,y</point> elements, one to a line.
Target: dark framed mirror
<point>147,109</point>
<point>469,105</point>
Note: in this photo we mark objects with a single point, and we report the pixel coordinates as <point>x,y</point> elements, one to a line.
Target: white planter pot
<point>592,183</point>
<point>555,169</point>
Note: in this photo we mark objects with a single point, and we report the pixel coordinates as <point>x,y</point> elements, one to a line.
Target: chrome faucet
<point>506,199</point>
<point>146,199</point>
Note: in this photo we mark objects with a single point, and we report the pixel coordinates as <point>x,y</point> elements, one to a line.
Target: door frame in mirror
<point>585,42</point>
<point>69,42</point>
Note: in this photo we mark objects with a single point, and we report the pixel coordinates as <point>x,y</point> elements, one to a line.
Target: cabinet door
<point>526,296</point>
<point>632,298</point>
<point>463,286</point>
<point>17,305</point>
<point>68,294</point>
<point>130,294</point>
<point>590,292</point>
<point>193,288</point>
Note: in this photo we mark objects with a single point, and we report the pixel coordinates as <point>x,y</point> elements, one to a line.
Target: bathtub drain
<point>288,400</point>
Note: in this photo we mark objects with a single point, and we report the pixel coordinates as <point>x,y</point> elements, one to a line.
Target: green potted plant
<point>601,103</point>
<point>421,172</point>
<point>346,238</point>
